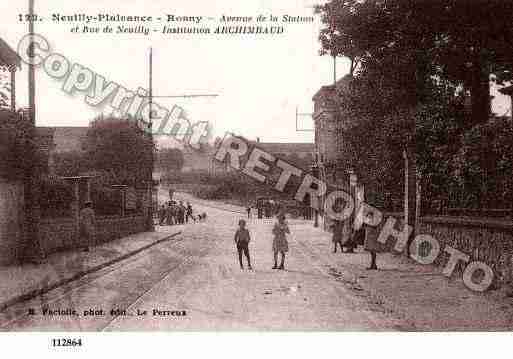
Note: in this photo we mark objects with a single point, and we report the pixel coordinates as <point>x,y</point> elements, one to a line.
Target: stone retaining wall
<point>486,240</point>
<point>11,221</point>
<point>111,228</point>
<point>59,234</point>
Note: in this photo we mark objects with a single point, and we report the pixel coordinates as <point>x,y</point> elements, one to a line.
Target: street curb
<point>37,292</point>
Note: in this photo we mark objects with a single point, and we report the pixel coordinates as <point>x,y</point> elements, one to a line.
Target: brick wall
<point>486,240</point>
<point>61,233</point>
<point>57,234</point>
<point>110,228</point>
<point>11,221</point>
<point>324,117</point>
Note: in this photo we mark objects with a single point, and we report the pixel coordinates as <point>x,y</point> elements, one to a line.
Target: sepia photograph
<point>301,166</point>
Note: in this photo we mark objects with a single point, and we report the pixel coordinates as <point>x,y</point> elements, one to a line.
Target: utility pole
<point>316,173</point>
<point>32,73</point>
<point>151,225</point>
<point>33,251</point>
<point>410,179</point>
<point>151,96</point>
<point>151,85</point>
<point>410,195</point>
<point>334,70</point>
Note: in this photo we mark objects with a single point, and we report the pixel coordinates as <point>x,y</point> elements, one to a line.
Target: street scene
<point>357,180</point>
<point>192,281</point>
<point>196,277</point>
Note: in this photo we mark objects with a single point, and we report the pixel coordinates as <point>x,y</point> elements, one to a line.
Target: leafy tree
<point>120,147</point>
<point>69,164</point>
<point>413,42</point>
<point>170,159</point>
<point>483,166</point>
<point>413,62</point>
<point>16,146</point>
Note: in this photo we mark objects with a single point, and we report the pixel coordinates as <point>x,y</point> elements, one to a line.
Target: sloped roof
<point>8,56</point>
<point>341,86</point>
<point>286,147</point>
<point>324,91</point>
<point>67,139</point>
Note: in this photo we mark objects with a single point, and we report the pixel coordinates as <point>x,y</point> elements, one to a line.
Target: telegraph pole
<point>151,96</point>
<point>33,251</point>
<point>32,73</point>
<point>314,202</point>
<point>334,70</point>
<point>152,164</point>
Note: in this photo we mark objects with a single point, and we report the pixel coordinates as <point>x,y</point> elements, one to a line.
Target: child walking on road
<point>280,244</point>
<point>242,241</point>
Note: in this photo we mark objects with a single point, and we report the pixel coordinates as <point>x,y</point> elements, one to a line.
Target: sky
<point>260,82</point>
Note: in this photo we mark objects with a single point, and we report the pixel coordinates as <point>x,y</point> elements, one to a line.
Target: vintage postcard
<point>269,166</point>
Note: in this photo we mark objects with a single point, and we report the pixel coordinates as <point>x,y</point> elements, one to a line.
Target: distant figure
<point>189,213</point>
<point>372,245</point>
<point>170,214</point>
<point>280,244</point>
<point>306,213</point>
<point>337,228</point>
<point>358,237</point>
<point>350,237</point>
<point>249,211</point>
<point>181,213</point>
<point>87,226</point>
<point>242,239</point>
<point>267,209</point>
<point>162,215</point>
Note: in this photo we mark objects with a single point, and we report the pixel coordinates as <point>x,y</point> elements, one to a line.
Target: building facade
<point>329,124</point>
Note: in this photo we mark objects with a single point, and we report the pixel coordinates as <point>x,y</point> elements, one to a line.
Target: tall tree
<point>466,42</point>
<point>120,147</point>
<point>422,55</point>
<point>170,159</point>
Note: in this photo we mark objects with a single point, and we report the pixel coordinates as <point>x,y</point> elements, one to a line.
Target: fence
<point>59,234</point>
<point>11,217</point>
<point>484,239</point>
<point>120,211</point>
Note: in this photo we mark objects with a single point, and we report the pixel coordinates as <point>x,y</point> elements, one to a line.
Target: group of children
<point>178,213</point>
<point>280,243</point>
<point>349,238</point>
<point>281,246</point>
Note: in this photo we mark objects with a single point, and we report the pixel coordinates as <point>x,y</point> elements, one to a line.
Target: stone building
<point>325,120</point>
<point>329,123</point>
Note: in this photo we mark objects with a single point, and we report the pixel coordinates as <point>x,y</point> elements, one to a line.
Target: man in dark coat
<point>87,226</point>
